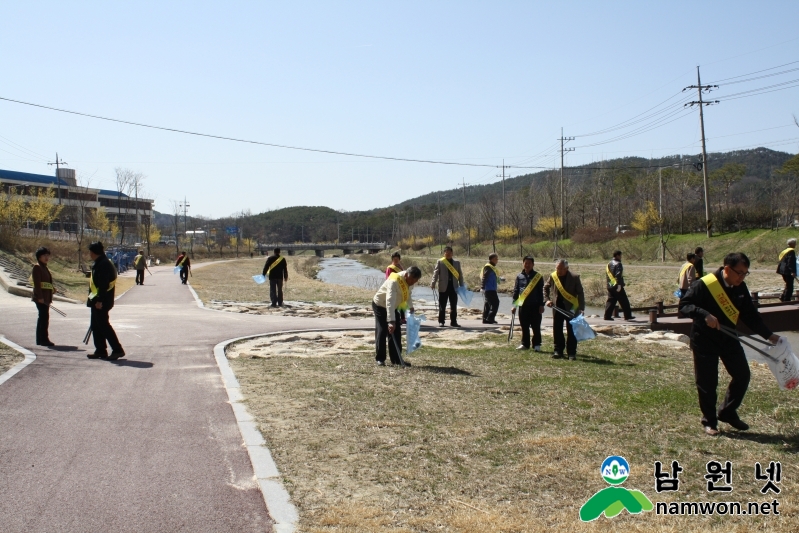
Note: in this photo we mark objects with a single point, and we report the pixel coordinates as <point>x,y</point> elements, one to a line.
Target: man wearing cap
<point>139,264</point>
<point>393,297</point>
<point>277,271</point>
<point>615,284</point>
<point>43,290</point>
<point>449,277</point>
<point>101,301</point>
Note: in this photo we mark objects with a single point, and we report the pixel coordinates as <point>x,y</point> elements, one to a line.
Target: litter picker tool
<point>512,320</point>
<point>735,335</point>
<point>399,350</point>
<point>567,314</point>
<point>88,336</point>
<point>57,310</point>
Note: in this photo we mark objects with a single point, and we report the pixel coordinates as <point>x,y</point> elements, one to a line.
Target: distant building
<point>120,208</point>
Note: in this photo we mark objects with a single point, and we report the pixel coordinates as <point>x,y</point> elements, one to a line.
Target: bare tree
<point>80,206</point>
<point>176,222</point>
<point>489,213</point>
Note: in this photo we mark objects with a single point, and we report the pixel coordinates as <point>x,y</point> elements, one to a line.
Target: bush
<point>591,235</point>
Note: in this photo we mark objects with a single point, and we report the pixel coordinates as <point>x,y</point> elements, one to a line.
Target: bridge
<point>319,248</point>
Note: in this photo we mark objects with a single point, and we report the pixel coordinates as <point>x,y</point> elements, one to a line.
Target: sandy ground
<point>8,357</point>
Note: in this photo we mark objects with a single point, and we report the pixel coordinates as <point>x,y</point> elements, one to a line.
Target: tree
<point>646,219</point>
<point>42,211</point>
<point>13,214</point>
<point>726,177</point>
<point>176,222</point>
<point>548,226</point>
<point>81,213</point>
<point>489,213</point>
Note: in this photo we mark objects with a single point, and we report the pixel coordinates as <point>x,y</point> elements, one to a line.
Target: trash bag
<point>412,339</point>
<point>784,364</point>
<point>582,330</point>
<point>678,294</point>
<point>259,279</point>
<point>176,270</point>
<point>465,295</point>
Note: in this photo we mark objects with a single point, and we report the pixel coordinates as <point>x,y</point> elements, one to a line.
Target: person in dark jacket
<point>709,344</point>
<point>489,281</point>
<point>614,277</point>
<point>530,303</point>
<point>43,290</point>
<point>448,275</point>
<point>101,301</point>
<point>277,271</point>
<point>570,299</point>
<point>699,262</point>
<point>184,263</point>
<point>787,269</point>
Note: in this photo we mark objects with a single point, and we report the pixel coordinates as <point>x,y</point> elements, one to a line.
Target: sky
<point>466,82</point>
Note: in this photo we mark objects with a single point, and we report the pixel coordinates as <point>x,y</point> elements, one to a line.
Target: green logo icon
<point>613,500</point>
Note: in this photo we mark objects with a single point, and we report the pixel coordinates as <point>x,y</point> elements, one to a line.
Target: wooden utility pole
<point>562,152</point>
<point>699,88</point>
<point>466,224</point>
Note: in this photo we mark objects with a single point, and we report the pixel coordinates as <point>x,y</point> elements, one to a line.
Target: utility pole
<point>468,229</point>
<point>699,88</point>
<point>503,191</point>
<point>58,164</point>
<point>438,215</point>
<point>185,207</point>
<point>562,151</point>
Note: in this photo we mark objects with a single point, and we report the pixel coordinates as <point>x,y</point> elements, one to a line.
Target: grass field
<point>8,358</point>
<point>477,440</point>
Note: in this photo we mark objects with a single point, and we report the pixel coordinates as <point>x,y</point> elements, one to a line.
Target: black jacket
<point>280,271</point>
<point>787,266</point>
<point>617,269</point>
<point>699,265</point>
<point>536,298</point>
<point>698,303</point>
<point>103,273</point>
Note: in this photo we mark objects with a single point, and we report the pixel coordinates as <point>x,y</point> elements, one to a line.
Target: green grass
<point>518,436</point>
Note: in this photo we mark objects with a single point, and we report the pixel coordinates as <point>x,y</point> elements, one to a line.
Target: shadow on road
<point>64,348</point>
<point>134,364</point>
<point>598,361</point>
<point>445,370</point>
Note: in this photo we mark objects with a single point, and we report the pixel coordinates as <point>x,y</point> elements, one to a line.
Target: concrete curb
<point>200,303</point>
<point>14,370</point>
<point>276,497</point>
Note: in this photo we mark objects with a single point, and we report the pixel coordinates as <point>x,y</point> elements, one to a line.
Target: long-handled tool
<point>88,336</point>
<point>435,298</point>
<point>60,312</point>
<point>512,320</point>
<point>399,350</point>
<point>735,335</point>
<point>563,312</point>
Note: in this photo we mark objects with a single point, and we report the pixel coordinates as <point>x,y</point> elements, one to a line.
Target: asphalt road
<point>148,443</point>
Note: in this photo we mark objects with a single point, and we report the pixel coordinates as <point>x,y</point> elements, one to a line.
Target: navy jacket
<point>536,298</point>
<point>103,273</point>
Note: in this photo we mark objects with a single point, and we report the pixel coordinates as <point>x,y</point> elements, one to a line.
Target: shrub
<point>591,235</point>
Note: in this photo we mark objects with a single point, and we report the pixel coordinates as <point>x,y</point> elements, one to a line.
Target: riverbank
<point>482,438</point>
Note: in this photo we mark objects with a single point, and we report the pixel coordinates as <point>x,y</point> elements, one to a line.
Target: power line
<point>752,73</point>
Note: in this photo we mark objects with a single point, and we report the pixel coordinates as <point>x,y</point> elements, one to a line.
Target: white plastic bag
<point>176,270</point>
<point>412,339</point>
<point>259,279</point>
<point>784,364</point>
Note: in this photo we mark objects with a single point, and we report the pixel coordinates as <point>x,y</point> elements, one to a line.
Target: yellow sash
<point>684,269</point>
<point>785,251</point>
<point>183,260</point>
<point>394,267</point>
<point>137,262</point>
<point>42,284</point>
<point>610,275</point>
<point>406,292</point>
<point>492,267</point>
<point>721,297</point>
<point>571,299</point>
<point>527,290</point>
<point>93,287</point>
<point>451,268</point>
<point>273,265</point>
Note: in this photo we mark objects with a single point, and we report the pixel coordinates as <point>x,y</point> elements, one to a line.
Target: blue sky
<point>456,81</point>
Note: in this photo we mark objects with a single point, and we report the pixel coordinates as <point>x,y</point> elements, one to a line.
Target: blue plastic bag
<point>465,295</point>
<point>582,330</point>
<point>412,339</point>
<point>176,270</point>
<point>678,293</point>
<point>259,279</point>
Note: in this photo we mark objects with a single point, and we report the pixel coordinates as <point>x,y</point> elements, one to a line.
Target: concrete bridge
<point>319,248</point>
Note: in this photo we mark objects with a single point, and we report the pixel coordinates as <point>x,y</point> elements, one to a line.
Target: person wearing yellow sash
<point>277,271</point>
<point>101,301</point>
<point>687,275</point>
<point>395,265</point>
<point>139,264</point>
<point>721,298</point>
<point>448,275</point>
<point>393,297</point>
<point>565,291</point>
<point>787,269</point>
<point>184,263</point>
<point>489,282</point>
<point>528,297</point>
<point>614,276</point>
<point>43,291</point>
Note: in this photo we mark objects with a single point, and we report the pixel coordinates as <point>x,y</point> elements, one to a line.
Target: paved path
<point>148,443</point>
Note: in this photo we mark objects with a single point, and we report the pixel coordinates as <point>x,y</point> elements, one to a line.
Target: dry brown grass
<point>488,440</point>
<point>233,281</point>
<point>8,358</point>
